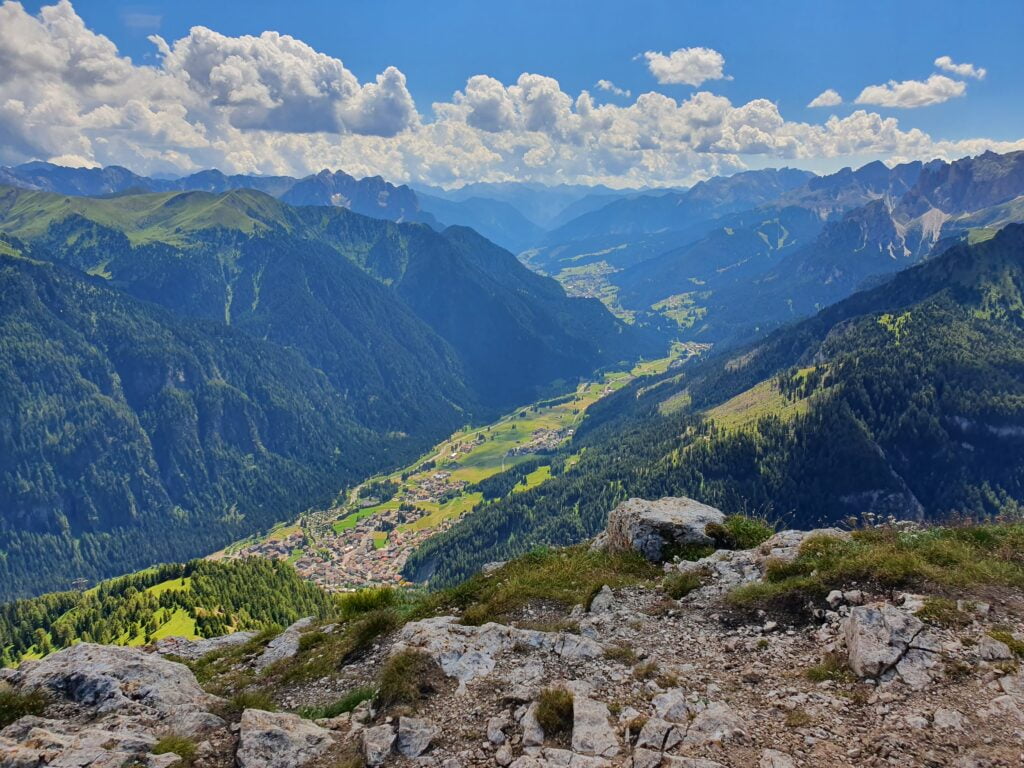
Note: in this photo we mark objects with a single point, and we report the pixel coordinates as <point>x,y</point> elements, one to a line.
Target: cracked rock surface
<point>883,640</point>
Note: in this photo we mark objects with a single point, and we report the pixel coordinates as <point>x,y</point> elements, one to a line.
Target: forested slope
<point>131,437</point>
<point>513,331</point>
<point>200,598</point>
<point>906,400</point>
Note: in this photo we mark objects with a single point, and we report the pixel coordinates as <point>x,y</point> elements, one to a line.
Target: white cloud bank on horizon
<point>272,104</point>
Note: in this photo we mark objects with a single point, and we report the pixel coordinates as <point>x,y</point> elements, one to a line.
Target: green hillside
<point>167,217</point>
<point>197,599</point>
<point>130,436</point>
<point>906,400</point>
<point>514,332</point>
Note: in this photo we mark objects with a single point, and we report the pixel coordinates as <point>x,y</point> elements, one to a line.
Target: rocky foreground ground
<point>634,678</point>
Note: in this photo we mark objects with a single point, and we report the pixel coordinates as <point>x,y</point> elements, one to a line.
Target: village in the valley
<point>365,540</point>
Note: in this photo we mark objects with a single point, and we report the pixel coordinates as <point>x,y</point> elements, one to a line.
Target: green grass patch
<point>535,478</point>
<point>350,521</point>
<point>675,403</point>
<point>886,558</point>
<point>740,532</point>
<point>747,408</point>
<point>346,703</point>
<point>181,624</point>
<point>678,585</point>
<point>568,576</point>
<point>15,704</point>
<point>454,508</point>
<point>832,667</point>
<point>175,743</point>
<point>620,652</point>
<point>682,309</point>
<point>555,712</point>
<point>332,651</point>
<point>366,630</point>
<point>366,600</point>
<point>183,584</point>
<point>942,612</point>
<point>407,677</point>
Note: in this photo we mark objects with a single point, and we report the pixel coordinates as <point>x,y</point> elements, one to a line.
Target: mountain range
<point>512,214</point>
<point>732,261</point>
<point>201,364</point>
<point>370,196</point>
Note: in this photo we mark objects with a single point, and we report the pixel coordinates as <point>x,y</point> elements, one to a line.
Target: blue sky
<point>782,52</point>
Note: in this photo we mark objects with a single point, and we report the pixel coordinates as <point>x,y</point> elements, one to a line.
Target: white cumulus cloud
<point>947,64</point>
<point>827,98</point>
<point>610,87</point>
<point>272,104</point>
<point>276,82</point>
<point>686,66</point>
<point>913,93</point>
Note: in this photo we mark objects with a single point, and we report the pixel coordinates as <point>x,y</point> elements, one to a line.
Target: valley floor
<point>365,542</point>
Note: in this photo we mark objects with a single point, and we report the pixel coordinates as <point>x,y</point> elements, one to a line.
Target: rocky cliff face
<point>370,196</point>
<point>635,678</point>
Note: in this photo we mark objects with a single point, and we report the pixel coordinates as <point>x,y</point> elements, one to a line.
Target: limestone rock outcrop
<point>108,678</point>
<point>467,652</point>
<point>285,645</point>
<point>279,740</point>
<point>658,529</point>
<point>196,649</point>
<point>883,640</point>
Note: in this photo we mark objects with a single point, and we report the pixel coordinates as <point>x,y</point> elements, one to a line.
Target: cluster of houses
<point>275,549</point>
<point>542,441</point>
<point>374,550</point>
<point>466,446</point>
<point>353,560</point>
<point>370,553</point>
<point>434,486</point>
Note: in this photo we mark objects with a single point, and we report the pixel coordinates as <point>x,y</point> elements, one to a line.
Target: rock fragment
<point>415,735</point>
<point>279,740</point>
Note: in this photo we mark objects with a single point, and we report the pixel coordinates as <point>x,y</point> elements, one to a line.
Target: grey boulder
<point>285,645</point>
<point>592,734</point>
<point>415,735</point>
<point>378,743</point>
<point>656,529</point>
<point>196,649</point>
<point>109,678</point>
<point>881,640</point>
<point>279,740</point>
